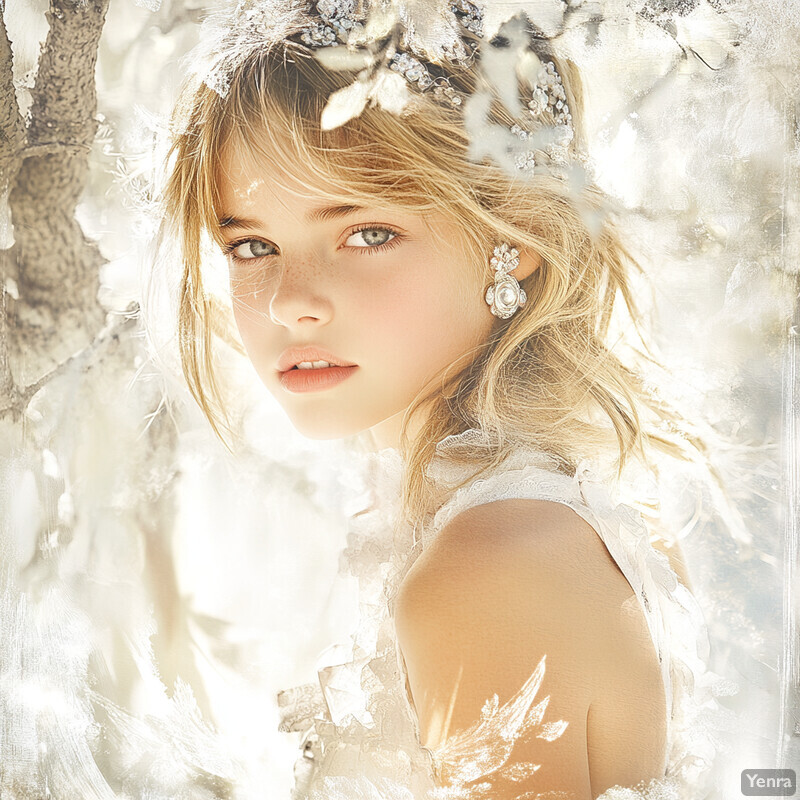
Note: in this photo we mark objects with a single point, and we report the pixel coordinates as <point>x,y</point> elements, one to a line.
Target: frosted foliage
<point>387,40</point>
<point>484,748</point>
<point>51,720</point>
<point>231,34</point>
<point>164,604</point>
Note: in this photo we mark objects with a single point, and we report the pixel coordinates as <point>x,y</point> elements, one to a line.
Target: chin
<point>322,426</point>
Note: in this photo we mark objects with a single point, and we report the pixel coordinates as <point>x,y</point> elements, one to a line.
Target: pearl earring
<point>505,295</point>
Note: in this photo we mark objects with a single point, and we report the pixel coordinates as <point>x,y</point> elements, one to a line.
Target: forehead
<point>244,177</point>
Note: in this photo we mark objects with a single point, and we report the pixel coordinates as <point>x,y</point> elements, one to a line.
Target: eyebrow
<point>316,215</point>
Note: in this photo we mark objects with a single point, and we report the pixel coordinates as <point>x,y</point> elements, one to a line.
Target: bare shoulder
<point>506,558</point>
<point>502,586</point>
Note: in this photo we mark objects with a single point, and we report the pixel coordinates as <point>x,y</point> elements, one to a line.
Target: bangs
<point>271,117</point>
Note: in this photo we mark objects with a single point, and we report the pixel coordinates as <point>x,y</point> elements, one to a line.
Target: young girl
<point>416,256</point>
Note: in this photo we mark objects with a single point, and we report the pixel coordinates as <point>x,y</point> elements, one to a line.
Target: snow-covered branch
<point>53,266</point>
<point>12,127</point>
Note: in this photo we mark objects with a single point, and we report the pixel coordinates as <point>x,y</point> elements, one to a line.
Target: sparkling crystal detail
<point>333,22</point>
<point>337,20</point>
<point>469,15</point>
<point>505,295</point>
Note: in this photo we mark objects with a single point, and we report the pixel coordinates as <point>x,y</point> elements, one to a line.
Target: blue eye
<point>372,237</point>
<point>250,249</point>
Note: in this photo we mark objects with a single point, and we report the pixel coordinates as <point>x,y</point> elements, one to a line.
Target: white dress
<point>361,737</point>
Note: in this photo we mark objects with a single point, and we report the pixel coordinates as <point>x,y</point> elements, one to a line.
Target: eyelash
<point>397,237</point>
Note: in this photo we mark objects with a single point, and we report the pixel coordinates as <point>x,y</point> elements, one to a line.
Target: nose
<point>298,297</point>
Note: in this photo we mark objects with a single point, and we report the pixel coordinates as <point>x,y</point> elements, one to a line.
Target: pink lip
<point>298,381</point>
<point>294,355</point>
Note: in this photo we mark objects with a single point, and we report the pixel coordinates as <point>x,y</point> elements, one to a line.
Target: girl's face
<point>384,292</point>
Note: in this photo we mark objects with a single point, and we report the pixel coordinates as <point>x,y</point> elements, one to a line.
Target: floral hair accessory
<point>344,24</point>
<point>398,49</point>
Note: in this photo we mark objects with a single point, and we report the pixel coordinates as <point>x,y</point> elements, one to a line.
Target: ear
<point>529,262</point>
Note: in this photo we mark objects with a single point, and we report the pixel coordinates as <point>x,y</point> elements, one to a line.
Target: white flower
<point>345,104</point>
<point>386,89</point>
<point>390,91</point>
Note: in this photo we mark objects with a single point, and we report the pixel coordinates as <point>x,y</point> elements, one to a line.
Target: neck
<point>387,433</point>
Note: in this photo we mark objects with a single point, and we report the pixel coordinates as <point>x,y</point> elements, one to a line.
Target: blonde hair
<point>548,376</point>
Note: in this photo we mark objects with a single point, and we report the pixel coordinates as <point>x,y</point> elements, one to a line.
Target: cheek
<point>253,323</point>
<point>250,290</point>
<point>246,317</point>
<point>423,322</point>
<point>394,323</point>
<point>406,308</point>
<point>444,301</point>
